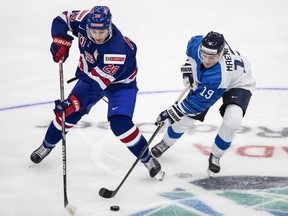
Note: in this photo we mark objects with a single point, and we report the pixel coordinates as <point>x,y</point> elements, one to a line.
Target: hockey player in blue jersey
<point>213,70</point>
<point>107,68</point>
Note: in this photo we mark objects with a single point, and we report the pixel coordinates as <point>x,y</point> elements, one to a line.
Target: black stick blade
<point>105,193</point>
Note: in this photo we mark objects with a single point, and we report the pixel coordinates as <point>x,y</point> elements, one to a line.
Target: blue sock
<point>52,137</point>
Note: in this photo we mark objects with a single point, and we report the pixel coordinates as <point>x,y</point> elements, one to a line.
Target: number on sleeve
<point>239,63</point>
<point>207,93</point>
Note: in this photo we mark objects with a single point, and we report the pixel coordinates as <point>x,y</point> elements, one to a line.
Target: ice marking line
<point>140,93</point>
<point>25,105</point>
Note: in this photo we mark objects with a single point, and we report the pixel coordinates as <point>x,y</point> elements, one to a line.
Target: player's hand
<point>187,74</point>
<point>60,47</point>
<point>70,105</point>
<point>170,116</point>
<point>188,79</point>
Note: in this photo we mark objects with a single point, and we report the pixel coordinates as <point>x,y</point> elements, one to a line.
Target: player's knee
<point>119,124</point>
<point>233,117</point>
<point>74,118</point>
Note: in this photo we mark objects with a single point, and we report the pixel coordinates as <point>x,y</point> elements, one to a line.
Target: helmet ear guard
<point>213,43</point>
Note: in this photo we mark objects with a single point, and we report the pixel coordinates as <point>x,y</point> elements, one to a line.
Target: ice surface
<point>161,29</point>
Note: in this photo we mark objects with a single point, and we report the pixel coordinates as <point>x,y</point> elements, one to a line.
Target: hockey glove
<point>171,115</point>
<point>187,74</point>
<point>60,47</point>
<point>188,79</point>
<point>70,105</point>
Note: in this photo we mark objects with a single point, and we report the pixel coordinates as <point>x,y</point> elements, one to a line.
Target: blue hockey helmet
<point>99,18</point>
<point>213,43</point>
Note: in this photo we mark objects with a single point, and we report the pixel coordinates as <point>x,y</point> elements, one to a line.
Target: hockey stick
<point>71,209</point>
<point>104,192</point>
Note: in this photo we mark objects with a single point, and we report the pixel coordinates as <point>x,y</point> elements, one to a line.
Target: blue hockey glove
<point>171,115</point>
<point>69,105</point>
<point>60,47</point>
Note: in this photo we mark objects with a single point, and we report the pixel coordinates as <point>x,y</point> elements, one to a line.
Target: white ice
<point>29,83</point>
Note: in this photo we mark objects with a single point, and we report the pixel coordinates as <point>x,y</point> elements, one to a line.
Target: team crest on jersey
<point>114,59</point>
<point>89,58</point>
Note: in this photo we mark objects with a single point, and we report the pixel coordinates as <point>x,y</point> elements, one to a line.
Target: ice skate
<point>214,165</point>
<point>159,149</point>
<point>39,154</point>
<point>154,168</point>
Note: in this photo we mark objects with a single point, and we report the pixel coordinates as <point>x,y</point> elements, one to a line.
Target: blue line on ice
<point>147,92</point>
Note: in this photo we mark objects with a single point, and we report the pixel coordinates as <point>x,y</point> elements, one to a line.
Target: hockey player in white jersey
<point>213,70</point>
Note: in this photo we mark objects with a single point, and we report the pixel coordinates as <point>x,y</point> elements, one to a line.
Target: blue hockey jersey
<point>113,62</point>
<point>232,71</point>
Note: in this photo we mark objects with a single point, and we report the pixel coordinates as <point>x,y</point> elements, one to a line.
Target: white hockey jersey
<point>232,71</point>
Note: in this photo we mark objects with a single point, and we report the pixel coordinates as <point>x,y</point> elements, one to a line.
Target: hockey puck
<point>114,208</point>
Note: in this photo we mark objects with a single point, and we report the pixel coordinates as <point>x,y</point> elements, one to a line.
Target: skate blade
<point>160,176</point>
<point>210,173</point>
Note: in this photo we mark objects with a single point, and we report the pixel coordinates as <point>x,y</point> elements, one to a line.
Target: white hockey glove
<point>187,74</point>
<point>171,115</point>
